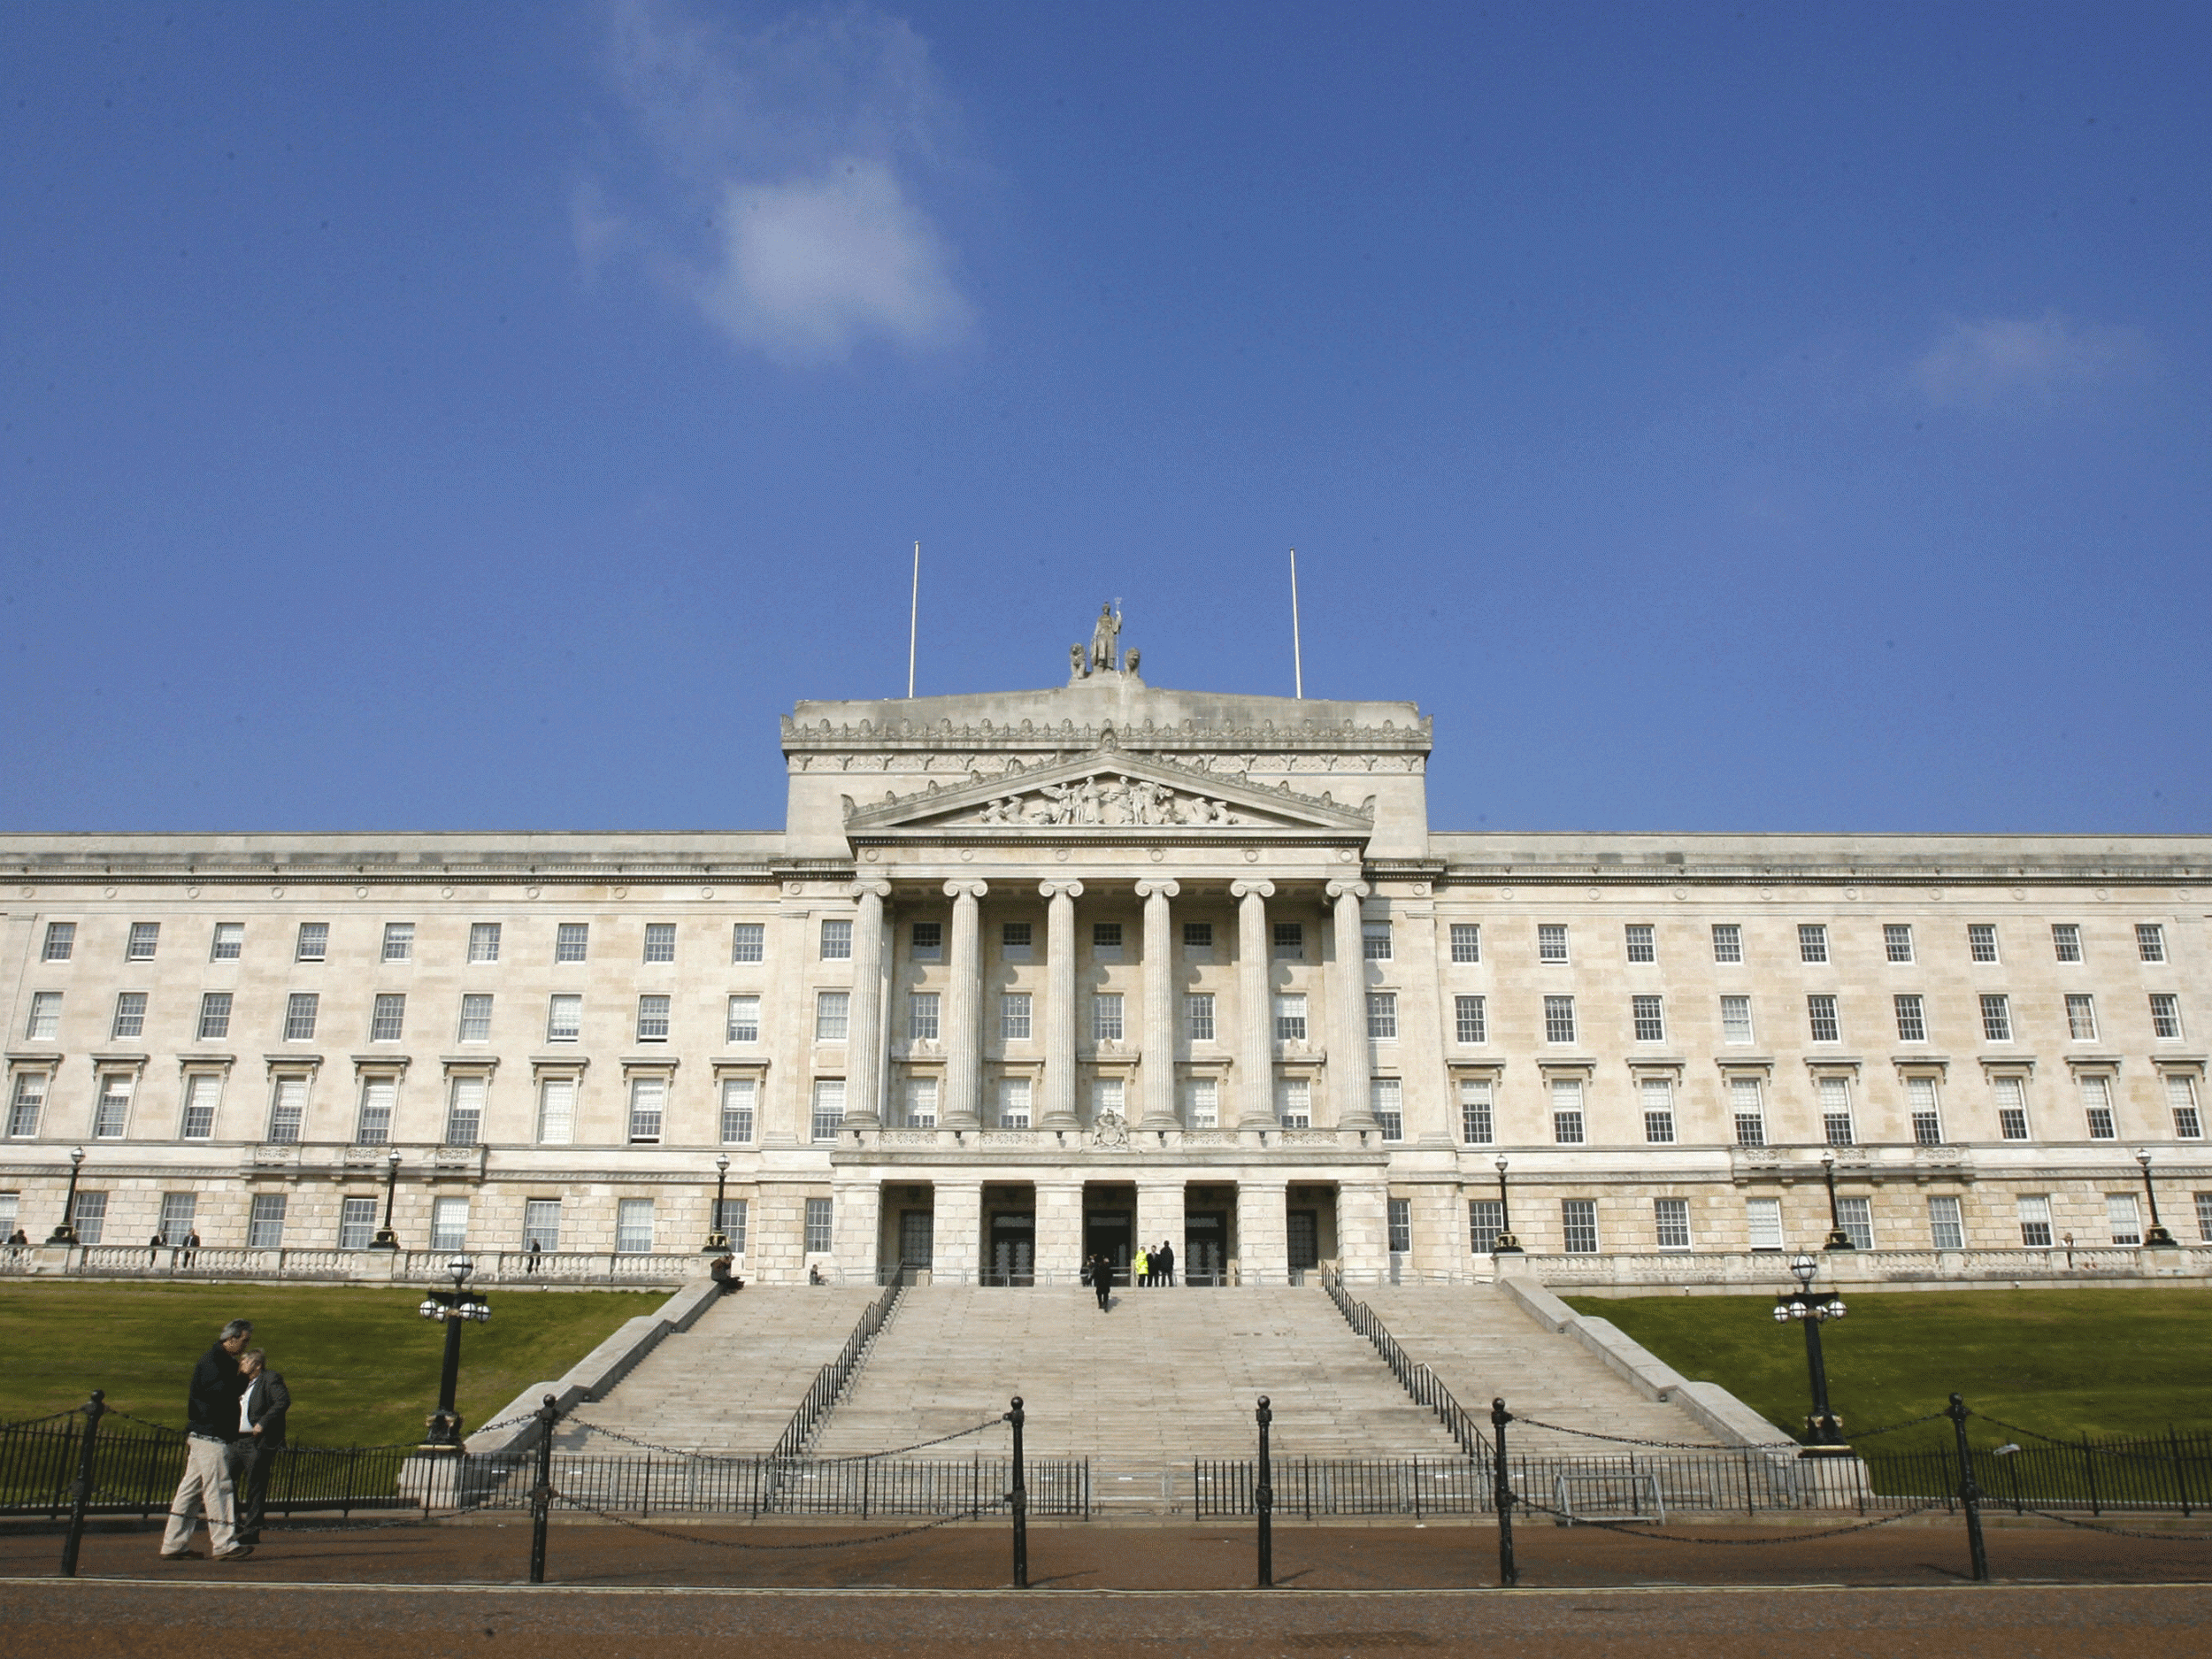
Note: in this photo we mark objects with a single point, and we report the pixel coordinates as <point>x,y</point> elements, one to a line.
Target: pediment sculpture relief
<point>1103,800</point>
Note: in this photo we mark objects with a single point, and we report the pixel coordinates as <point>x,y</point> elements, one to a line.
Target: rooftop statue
<point>1103,658</point>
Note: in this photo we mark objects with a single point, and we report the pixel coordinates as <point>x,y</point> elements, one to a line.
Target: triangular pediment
<point>1108,789</point>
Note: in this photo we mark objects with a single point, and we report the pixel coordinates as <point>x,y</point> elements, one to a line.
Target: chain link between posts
<point>975,1513</point>
<point>857,1457</point>
<point>1638,1529</point>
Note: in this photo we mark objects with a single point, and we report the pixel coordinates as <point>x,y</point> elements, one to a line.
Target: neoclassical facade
<point>1030,976</point>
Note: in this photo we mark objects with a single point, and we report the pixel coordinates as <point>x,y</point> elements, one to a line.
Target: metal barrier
<point>830,1381</point>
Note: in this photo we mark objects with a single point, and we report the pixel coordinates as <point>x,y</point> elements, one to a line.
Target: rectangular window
<point>1477,1127</point>
<point>1486,1219</point>
<point>833,1015</point>
<point>2096,1107</point>
<point>177,1212</point>
<point>300,1009</point>
<point>214,1016</point>
<point>111,1116</point>
<point>921,1016</point>
<point>730,1223</point>
<point>2181,1098</point>
<point>557,1111</point>
<point>2150,942</point>
<point>828,1107</point>
<point>2121,1216</point>
<point>648,1105</point>
<point>1946,1231</point>
<point>1912,1023</point>
<point>264,1229</point>
<point>1469,1023</point>
<point>1926,1111</point>
<point>1812,942</point>
<point>130,1016</point>
<point>565,1018</point>
<point>660,942</point>
<point>926,942</point>
<point>1198,1015</point>
<point>1559,1019</point>
<point>749,941</point>
<point>921,1102</point>
<point>1385,1097</point>
<point>1294,1102</point>
<point>483,942</point>
<point>1578,1223</point>
<point>2066,941</point>
<point>1747,1103</point>
<point>1015,1014</point>
<point>229,942</point>
<point>145,939</point>
<point>818,1225</point>
<point>2081,1017</point>
<point>633,1226</point>
<point>1897,940</point>
<point>2204,1217</point>
<point>743,1023</point>
<point>61,940</point>
<point>2165,1015</point>
<point>202,1090</point>
<point>476,1017</point>
<point>2012,1107</point>
<point>652,1020</point>
<point>90,1216</point>
<point>288,1110</point>
<point>571,942</point>
<point>29,1100</point>
<point>1856,1216</point>
<point>1399,1219</point>
<point>1648,1017</point>
<point>1382,1015</point>
<point>450,1223</point>
<point>1835,1111</point>
<point>314,943</point>
<point>2035,1221</point>
<point>373,1126</point>
<point>1735,1019</point>
<point>1013,1103</point>
<point>1016,942</point>
<point>1290,941</point>
<point>1290,1018</point>
<point>1996,1018</point>
<point>837,942</point>
<point>1106,1017</point>
<point>1198,938</point>
<point>1657,1094</point>
<point>1567,1127</point>
<point>1643,944</point>
<point>399,941</point>
<point>740,1105</point>
<point>45,1021</point>
<point>1820,1015</point>
<point>1981,941</point>
<point>1551,941</point>
<point>1201,1102</point>
<point>1727,941</point>
<point>1671,1222</point>
<point>1763,1223</point>
<point>388,1017</point>
<point>1374,941</point>
<point>542,1223</point>
<point>1466,942</point>
<point>464,1115</point>
<point>1106,941</point>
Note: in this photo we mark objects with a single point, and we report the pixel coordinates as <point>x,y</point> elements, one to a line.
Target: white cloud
<point>2027,365</point>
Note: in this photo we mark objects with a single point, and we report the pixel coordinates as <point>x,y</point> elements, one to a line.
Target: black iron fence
<point>2172,1472</point>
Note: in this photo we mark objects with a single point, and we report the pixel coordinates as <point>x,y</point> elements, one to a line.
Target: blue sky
<point>1744,417</point>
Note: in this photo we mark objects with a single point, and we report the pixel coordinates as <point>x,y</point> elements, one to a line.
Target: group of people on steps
<point>1153,1264</point>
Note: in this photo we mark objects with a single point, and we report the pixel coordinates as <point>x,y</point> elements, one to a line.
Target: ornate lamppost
<point>2156,1237</point>
<point>1505,1244</point>
<point>718,1240</point>
<point>65,1230</point>
<point>455,1308</point>
<point>386,1239</point>
<point>1837,1239</point>
<point>1824,1427</point>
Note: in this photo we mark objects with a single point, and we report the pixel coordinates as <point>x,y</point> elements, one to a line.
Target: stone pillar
<point>1362,1232</point>
<point>1156,1076</point>
<point>1160,1216</point>
<point>1263,1232</point>
<point>864,1047</point>
<point>964,1011</point>
<point>855,1219</point>
<point>1059,1091</point>
<point>1256,1009</point>
<point>1059,1232</point>
<point>956,1233</point>
<point>1349,1091</point>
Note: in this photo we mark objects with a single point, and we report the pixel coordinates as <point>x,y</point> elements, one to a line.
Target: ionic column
<point>1059,1101</point>
<point>963,1010</point>
<point>863,1049</point>
<point>1255,1006</point>
<point>1348,1054</point>
<point>1156,1075</point>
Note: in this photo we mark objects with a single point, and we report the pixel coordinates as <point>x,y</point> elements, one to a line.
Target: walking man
<point>1164,1260</point>
<point>261,1410</point>
<point>210,1421</point>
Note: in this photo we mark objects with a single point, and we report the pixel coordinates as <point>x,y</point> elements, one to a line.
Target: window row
<point>310,942</point>
<point>1824,1023</point>
<point>1640,943</point>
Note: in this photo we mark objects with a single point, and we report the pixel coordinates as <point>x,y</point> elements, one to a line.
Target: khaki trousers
<point>206,1485</point>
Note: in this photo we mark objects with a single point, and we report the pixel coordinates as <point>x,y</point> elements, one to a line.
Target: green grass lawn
<point>2117,1361</point>
<point>361,1363</point>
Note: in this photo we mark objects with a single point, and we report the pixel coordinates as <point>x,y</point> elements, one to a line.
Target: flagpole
<point>913,616</point>
<point>1297,651</point>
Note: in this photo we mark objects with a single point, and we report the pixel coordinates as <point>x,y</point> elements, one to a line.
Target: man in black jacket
<point>210,1422</point>
<point>261,1410</point>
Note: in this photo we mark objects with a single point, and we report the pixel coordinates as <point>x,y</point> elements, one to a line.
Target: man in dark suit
<point>261,1411</point>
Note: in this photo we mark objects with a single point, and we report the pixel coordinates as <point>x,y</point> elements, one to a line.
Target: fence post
<point>1018,1498</point>
<point>1970,1494</point>
<point>2089,1469</point>
<point>541,1495</point>
<point>81,1495</point>
<point>1264,1502</point>
<point>1509,1572</point>
<point>2181,1469</point>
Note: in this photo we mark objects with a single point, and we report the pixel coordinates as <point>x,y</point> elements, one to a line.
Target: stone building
<point>1036,974</point>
